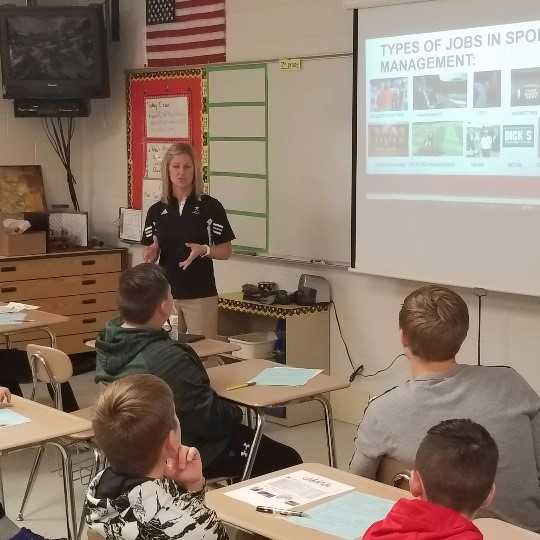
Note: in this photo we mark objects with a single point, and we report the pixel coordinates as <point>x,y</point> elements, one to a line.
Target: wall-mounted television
<point>54,52</point>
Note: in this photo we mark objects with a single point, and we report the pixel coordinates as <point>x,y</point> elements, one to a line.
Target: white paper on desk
<point>11,418</point>
<point>15,307</point>
<point>12,318</point>
<point>130,224</point>
<point>289,490</point>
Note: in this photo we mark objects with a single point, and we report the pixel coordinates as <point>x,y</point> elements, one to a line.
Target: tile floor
<point>45,512</point>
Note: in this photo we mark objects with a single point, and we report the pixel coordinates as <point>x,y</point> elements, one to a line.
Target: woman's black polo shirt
<point>201,221</point>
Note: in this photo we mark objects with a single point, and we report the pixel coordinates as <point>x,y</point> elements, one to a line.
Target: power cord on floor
<point>358,371</point>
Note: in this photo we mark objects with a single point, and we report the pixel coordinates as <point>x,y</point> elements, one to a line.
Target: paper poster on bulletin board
<point>163,108</point>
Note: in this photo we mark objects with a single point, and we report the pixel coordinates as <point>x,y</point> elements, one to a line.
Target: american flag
<point>184,32</point>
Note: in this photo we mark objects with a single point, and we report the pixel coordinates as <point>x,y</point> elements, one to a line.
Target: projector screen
<point>447,150</point>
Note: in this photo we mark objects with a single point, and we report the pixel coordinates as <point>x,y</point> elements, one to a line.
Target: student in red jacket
<point>453,478</point>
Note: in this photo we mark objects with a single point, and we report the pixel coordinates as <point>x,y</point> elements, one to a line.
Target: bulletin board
<point>163,108</point>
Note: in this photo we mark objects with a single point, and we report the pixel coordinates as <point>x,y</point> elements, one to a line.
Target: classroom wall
<point>367,306</point>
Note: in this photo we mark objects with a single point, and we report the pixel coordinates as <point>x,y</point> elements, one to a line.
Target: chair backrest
<point>393,472</point>
<point>49,363</point>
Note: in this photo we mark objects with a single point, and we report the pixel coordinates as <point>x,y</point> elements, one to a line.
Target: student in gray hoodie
<point>136,343</point>
<point>154,487</point>
<point>434,322</point>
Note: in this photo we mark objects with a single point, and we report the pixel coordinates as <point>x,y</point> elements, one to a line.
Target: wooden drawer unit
<point>77,324</point>
<point>80,303</point>
<point>80,285</point>
<point>59,266</point>
<point>57,288</point>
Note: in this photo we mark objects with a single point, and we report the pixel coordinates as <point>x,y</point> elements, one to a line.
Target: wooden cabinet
<point>307,341</point>
<point>81,285</point>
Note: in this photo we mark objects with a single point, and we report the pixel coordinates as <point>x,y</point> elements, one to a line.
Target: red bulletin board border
<point>141,85</point>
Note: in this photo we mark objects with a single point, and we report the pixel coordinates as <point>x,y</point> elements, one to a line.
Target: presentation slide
<point>461,102</point>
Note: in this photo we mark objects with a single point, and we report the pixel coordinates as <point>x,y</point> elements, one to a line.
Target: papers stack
<point>289,490</point>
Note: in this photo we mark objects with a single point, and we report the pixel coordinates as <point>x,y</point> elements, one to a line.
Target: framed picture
<point>21,189</point>
<point>67,230</point>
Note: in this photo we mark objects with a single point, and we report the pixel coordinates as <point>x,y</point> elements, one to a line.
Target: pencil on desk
<point>243,385</point>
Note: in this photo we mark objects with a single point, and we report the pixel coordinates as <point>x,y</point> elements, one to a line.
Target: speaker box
<point>35,108</point>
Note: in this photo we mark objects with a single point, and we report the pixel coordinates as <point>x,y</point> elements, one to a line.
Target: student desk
<point>244,516</point>
<point>258,398</point>
<point>204,348</point>
<point>45,427</point>
<point>493,529</point>
<point>37,320</point>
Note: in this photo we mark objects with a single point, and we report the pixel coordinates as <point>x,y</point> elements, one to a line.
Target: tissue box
<point>28,243</point>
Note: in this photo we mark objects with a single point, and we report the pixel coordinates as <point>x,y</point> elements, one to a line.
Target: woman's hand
<point>151,252</point>
<point>186,469</point>
<point>197,250</point>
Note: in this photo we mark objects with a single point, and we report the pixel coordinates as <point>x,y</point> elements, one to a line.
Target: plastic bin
<point>254,345</point>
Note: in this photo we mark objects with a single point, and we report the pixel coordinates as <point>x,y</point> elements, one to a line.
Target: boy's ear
<point>490,497</point>
<point>403,338</point>
<point>416,486</point>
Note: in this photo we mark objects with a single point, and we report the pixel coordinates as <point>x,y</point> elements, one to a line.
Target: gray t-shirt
<point>496,397</point>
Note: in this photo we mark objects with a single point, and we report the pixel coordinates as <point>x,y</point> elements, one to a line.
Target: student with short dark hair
<point>453,477</point>
<point>434,321</point>
<point>136,343</point>
<point>154,487</point>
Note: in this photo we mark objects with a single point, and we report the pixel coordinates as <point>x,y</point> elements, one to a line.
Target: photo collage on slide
<point>474,139</point>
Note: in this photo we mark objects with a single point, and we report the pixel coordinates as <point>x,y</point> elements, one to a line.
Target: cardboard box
<point>28,243</point>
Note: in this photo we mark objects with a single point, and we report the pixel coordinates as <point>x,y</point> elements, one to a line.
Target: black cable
<point>383,369</point>
<point>355,372</point>
<point>479,327</point>
<point>479,292</point>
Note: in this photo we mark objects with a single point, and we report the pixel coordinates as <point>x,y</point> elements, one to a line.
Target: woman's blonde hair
<point>174,150</point>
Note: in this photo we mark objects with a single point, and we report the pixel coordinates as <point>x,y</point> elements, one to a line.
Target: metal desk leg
<point>52,336</point>
<point>255,444</point>
<point>2,500</point>
<point>329,425</point>
<point>69,497</point>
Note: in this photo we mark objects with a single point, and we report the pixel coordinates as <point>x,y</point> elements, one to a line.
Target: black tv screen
<point>54,52</point>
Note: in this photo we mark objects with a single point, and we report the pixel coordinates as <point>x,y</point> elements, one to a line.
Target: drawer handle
<point>90,262</point>
<point>89,301</point>
<point>88,282</point>
<point>9,269</point>
<point>9,289</point>
<point>89,321</point>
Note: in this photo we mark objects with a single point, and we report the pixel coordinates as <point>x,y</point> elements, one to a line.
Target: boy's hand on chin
<point>186,469</point>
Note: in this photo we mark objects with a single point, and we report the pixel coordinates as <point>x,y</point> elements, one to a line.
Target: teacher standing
<point>186,229</point>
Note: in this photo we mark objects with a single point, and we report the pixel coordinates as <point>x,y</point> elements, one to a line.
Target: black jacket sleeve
<point>150,226</point>
<point>220,228</point>
<point>204,417</point>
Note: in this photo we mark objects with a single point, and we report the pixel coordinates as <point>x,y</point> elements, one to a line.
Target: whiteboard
<point>309,156</point>
<point>309,133</point>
